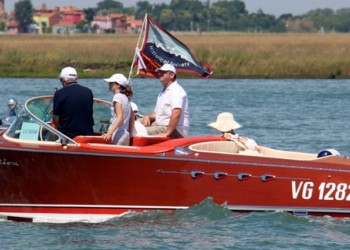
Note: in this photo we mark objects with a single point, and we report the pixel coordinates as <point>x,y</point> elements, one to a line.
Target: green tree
<point>89,14</point>
<point>321,12</point>
<point>83,26</point>
<point>143,7</point>
<point>109,4</point>
<point>194,6</point>
<point>218,18</point>
<point>343,12</point>
<point>321,18</point>
<point>231,13</point>
<point>131,11</point>
<point>184,19</point>
<point>328,20</point>
<point>3,25</point>
<point>166,18</point>
<point>157,11</point>
<point>235,7</point>
<point>24,14</point>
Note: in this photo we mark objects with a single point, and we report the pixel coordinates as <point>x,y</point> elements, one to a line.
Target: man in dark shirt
<point>72,106</point>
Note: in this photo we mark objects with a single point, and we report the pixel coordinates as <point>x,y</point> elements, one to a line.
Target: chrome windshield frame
<point>38,114</point>
<point>63,138</point>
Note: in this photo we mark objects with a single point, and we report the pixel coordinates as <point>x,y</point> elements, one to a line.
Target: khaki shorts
<point>155,129</point>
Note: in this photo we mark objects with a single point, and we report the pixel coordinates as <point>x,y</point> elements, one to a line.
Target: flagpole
<point>138,42</point>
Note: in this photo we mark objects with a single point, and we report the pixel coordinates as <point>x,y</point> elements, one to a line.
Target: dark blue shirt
<point>74,106</point>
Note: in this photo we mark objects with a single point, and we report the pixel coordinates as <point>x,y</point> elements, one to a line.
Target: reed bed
<point>232,55</point>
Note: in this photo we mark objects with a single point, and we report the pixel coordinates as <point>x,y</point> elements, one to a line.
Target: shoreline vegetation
<point>231,55</point>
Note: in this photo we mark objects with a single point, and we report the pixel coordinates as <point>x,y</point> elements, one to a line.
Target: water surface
<point>302,115</point>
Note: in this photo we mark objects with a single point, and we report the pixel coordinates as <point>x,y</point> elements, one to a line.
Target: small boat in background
<point>46,176</point>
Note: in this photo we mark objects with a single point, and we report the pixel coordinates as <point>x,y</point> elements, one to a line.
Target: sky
<point>274,7</point>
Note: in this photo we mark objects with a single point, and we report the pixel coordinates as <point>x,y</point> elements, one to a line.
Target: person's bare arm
<point>174,120</point>
<point>55,121</point>
<point>148,119</point>
<point>118,107</point>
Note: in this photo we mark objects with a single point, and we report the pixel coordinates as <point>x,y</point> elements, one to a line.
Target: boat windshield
<point>28,128</point>
<point>33,122</point>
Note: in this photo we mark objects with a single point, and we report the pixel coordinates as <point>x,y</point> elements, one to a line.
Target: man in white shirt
<point>171,116</point>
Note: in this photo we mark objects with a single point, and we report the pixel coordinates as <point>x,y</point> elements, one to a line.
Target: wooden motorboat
<point>45,175</point>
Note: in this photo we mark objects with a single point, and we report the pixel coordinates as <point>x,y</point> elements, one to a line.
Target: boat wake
<point>207,210</point>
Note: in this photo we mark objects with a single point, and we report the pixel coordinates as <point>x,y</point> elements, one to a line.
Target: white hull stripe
<point>230,207</point>
<point>90,206</point>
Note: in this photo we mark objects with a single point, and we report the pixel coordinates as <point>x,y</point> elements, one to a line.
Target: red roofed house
<point>116,22</point>
<point>71,14</point>
<point>100,24</point>
<point>42,9</point>
<point>64,28</point>
<point>119,22</point>
<point>134,26</point>
<point>45,18</point>
<point>12,25</point>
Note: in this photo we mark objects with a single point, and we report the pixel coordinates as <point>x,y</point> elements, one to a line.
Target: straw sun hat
<point>224,123</point>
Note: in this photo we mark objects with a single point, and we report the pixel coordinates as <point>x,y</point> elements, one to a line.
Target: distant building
<point>63,20</point>
<point>134,26</point>
<point>71,14</point>
<point>42,9</point>
<point>119,23</point>
<point>12,25</point>
<point>59,20</point>
<point>45,18</point>
<point>101,24</point>
<point>64,28</point>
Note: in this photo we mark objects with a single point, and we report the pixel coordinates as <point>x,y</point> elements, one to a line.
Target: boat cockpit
<point>32,124</point>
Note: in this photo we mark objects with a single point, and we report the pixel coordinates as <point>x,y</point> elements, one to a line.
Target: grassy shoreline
<point>232,55</point>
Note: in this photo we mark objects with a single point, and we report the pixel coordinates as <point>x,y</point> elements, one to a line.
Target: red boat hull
<point>84,180</point>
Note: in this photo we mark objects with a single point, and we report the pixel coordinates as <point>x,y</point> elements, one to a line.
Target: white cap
<point>118,78</point>
<point>134,106</point>
<point>69,73</point>
<point>167,67</point>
